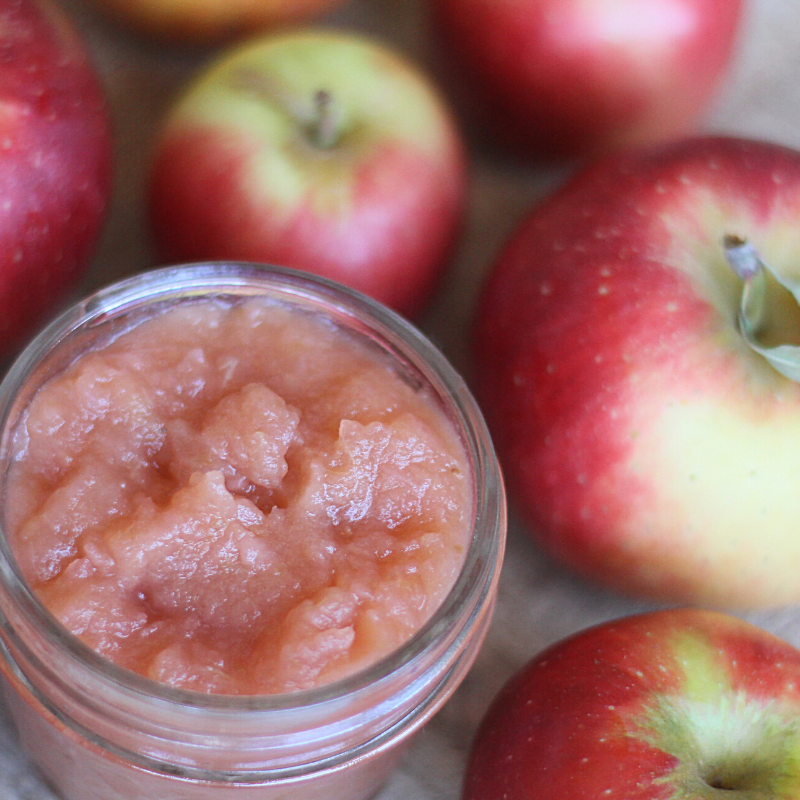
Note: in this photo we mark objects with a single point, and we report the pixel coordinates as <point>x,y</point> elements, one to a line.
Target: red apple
<point>200,22</point>
<point>674,705</point>
<point>55,160</point>
<point>567,77</point>
<point>319,151</point>
<point>646,443</point>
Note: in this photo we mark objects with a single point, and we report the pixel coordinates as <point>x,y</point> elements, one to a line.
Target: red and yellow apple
<point>674,705</point>
<point>55,163</point>
<point>645,442</point>
<point>569,77</point>
<point>324,152</point>
<point>203,22</point>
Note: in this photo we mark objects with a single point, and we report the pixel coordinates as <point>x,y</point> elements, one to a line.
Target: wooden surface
<point>539,602</point>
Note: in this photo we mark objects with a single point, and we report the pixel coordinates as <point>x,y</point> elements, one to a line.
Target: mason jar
<point>98,731</point>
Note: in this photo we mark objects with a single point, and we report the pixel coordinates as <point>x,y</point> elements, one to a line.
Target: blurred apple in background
<point>647,444</point>
<point>204,22</point>
<point>683,704</point>
<point>55,163</point>
<point>562,78</point>
<point>319,151</point>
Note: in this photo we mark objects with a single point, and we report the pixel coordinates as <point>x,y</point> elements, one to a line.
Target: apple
<point>563,78</point>
<point>645,441</point>
<point>320,151</point>
<point>55,163</point>
<point>681,704</point>
<point>204,22</point>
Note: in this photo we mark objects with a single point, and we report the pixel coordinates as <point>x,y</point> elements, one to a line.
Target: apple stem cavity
<point>321,125</point>
<point>325,130</point>
<point>769,311</point>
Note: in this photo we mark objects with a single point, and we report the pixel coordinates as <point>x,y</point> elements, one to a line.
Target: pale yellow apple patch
<point>723,512</point>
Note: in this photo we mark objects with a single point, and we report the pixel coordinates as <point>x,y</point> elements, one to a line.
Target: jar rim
<point>207,279</point>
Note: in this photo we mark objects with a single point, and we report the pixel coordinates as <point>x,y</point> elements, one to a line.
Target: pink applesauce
<point>238,498</point>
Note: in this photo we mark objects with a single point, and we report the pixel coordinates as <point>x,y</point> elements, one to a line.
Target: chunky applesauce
<point>238,498</point>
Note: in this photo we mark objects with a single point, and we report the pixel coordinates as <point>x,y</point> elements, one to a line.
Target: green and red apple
<point>673,705</point>
<point>324,152</point>
<point>646,443</point>
<point>569,77</point>
<point>55,163</point>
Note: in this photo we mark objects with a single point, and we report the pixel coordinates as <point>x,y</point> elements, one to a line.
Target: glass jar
<point>100,732</point>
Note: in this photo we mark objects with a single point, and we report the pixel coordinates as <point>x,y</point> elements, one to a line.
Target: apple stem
<point>742,257</point>
<point>324,128</point>
<point>321,125</point>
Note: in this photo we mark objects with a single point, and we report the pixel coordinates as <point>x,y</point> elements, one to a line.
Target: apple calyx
<point>769,310</point>
<point>322,126</point>
<point>730,743</point>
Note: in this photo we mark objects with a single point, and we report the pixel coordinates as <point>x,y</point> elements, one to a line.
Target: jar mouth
<point>394,335</point>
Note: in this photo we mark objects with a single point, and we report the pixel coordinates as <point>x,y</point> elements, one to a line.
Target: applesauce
<point>238,498</point>
<point>252,530</point>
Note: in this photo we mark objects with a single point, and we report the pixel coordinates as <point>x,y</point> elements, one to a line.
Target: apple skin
<point>645,443</point>
<point>208,22</point>
<point>672,705</point>
<point>238,176</point>
<point>55,164</point>
<point>565,78</point>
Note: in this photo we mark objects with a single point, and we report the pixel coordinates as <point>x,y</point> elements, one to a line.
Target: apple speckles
<point>778,178</point>
<point>545,288</point>
<point>602,289</point>
<point>607,233</point>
